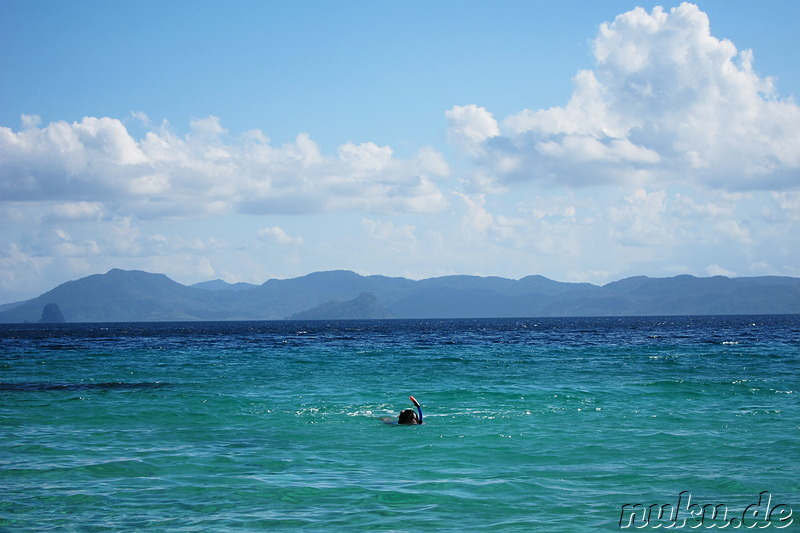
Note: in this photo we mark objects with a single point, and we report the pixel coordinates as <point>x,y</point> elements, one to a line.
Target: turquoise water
<point>530,424</point>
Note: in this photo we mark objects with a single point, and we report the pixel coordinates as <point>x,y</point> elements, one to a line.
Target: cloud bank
<point>667,102</point>
<point>96,162</point>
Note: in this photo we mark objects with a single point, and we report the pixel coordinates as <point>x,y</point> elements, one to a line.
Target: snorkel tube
<point>418,406</point>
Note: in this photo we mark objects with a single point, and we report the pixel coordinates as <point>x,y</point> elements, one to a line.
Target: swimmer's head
<point>408,417</point>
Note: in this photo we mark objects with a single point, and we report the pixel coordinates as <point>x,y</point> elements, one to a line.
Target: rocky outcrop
<point>51,314</point>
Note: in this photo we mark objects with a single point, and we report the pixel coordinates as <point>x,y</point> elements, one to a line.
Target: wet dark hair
<point>408,417</point>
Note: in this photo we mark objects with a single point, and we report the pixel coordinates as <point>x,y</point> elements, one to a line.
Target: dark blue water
<point>530,424</point>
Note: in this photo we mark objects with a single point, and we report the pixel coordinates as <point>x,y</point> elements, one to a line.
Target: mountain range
<point>136,296</point>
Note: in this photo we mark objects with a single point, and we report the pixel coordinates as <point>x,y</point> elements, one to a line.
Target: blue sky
<point>582,140</point>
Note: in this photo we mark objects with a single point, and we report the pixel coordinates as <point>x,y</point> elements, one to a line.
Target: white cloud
<point>206,129</point>
<point>365,156</point>
<point>64,246</point>
<point>787,205</point>
<point>206,172</point>
<point>733,230</point>
<point>277,235</point>
<point>141,117</point>
<point>79,210</point>
<point>469,126</point>
<point>127,238</point>
<point>713,209</point>
<point>716,270</point>
<point>666,102</point>
<point>644,220</point>
<point>66,161</point>
<point>389,232</point>
<point>479,224</point>
<point>477,221</point>
<point>19,268</point>
<point>550,208</point>
<point>432,163</point>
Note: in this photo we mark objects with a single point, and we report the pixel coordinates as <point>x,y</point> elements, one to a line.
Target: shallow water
<point>530,424</point>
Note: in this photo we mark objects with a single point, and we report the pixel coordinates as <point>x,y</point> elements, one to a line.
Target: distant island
<point>136,296</point>
<point>364,306</point>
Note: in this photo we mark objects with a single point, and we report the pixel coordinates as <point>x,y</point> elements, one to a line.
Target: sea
<point>530,424</point>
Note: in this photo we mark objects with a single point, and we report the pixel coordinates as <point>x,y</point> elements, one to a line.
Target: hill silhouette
<point>136,296</point>
<point>364,306</point>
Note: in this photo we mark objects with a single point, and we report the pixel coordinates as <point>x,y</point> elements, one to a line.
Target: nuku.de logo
<point>685,514</point>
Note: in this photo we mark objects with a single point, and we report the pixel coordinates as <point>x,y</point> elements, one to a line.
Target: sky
<point>583,141</point>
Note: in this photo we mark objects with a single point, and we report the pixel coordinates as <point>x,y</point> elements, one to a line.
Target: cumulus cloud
<point>278,235</point>
<point>666,101</point>
<point>78,211</point>
<point>19,268</point>
<point>127,238</point>
<point>787,207</point>
<point>689,207</point>
<point>469,126</point>
<point>64,245</point>
<point>716,270</point>
<point>95,163</point>
<point>734,231</point>
<point>389,232</point>
<point>478,223</point>
<point>644,220</point>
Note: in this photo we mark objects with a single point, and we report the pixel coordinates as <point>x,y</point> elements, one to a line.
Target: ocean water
<point>530,425</point>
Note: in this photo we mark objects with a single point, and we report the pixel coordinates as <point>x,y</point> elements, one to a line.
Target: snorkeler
<point>408,417</point>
